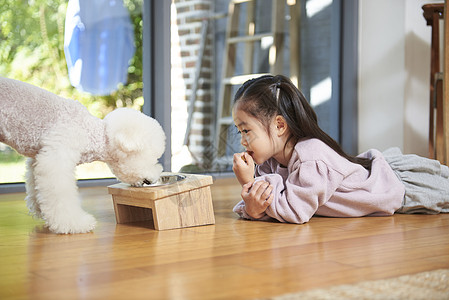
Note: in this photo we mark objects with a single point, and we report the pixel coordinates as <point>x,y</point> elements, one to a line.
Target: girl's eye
<point>245,131</point>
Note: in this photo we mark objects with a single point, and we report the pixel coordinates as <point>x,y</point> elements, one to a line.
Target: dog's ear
<point>127,140</point>
<point>130,130</point>
<point>123,142</point>
<point>123,129</point>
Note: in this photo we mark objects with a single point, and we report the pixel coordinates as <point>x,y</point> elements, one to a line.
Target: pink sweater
<point>319,181</point>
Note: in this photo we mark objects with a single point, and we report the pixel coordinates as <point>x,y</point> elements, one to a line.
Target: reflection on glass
<point>303,44</point>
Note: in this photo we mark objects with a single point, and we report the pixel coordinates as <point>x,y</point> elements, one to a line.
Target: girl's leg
<point>426,182</point>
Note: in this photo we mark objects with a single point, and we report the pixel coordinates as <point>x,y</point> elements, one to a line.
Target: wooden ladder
<point>229,78</point>
<point>438,108</point>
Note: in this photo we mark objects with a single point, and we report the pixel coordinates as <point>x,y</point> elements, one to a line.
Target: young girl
<point>300,171</point>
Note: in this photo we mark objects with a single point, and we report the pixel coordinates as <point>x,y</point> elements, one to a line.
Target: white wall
<point>394,67</point>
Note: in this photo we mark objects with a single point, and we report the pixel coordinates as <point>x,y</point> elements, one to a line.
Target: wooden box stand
<point>182,204</point>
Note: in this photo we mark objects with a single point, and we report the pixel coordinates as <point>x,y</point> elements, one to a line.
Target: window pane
<point>32,51</point>
<point>12,165</point>
<point>293,38</point>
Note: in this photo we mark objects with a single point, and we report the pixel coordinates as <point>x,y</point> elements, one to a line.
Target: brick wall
<point>186,38</point>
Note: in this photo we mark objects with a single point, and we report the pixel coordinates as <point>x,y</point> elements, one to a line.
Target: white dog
<point>58,134</point>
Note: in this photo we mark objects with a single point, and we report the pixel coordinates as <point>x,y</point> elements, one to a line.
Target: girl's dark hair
<point>268,96</point>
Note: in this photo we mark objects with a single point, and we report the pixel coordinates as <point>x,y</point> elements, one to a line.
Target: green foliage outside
<point>32,50</point>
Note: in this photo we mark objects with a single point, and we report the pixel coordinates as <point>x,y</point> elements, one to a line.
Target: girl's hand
<point>257,197</point>
<point>243,167</point>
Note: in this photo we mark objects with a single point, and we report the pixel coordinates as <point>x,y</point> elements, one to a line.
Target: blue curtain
<point>98,44</point>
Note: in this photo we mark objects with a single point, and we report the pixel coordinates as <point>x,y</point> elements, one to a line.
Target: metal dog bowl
<point>166,180</point>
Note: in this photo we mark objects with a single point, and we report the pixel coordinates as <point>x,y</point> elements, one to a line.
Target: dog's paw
<point>75,223</point>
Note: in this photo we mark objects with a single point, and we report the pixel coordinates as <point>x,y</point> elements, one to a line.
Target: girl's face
<point>254,136</point>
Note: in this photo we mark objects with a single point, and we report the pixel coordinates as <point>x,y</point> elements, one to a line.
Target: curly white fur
<point>57,134</point>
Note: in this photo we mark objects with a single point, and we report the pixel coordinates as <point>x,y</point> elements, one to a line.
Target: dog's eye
<point>146,181</point>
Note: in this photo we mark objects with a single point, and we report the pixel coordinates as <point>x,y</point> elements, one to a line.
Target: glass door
<point>305,37</point>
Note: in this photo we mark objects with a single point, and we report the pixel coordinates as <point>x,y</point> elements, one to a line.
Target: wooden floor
<point>233,259</point>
